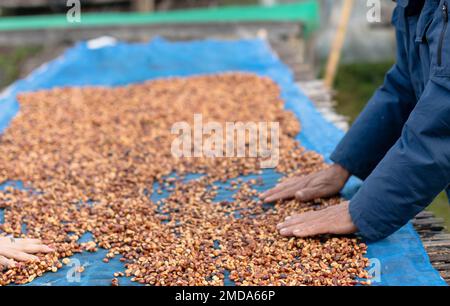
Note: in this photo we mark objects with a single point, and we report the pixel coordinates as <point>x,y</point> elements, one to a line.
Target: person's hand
<point>324,183</point>
<point>332,220</point>
<point>20,249</point>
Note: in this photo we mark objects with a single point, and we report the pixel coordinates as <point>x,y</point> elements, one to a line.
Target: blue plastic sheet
<point>401,258</point>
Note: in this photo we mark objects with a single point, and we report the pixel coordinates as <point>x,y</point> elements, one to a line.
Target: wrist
<point>351,225</point>
<point>342,173</point>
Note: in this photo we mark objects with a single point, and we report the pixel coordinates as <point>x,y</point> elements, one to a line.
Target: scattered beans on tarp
<point>89,158</point>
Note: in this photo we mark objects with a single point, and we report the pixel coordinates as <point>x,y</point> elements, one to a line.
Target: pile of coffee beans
<point>91,160</point>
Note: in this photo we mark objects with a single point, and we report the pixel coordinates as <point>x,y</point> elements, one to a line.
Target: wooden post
<point>338,43</point>
<point>144,5</point>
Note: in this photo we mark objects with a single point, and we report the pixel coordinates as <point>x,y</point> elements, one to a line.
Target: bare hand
<point>20,249</point>
<point>325,183</point>
<point>332,220</point>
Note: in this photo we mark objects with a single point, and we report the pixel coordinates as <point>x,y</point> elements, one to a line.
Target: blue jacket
<point>400,143</point>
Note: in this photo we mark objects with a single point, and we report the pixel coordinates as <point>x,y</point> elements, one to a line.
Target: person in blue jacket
<point>399,145</point>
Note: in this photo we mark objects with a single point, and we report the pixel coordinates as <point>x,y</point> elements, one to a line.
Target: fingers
<point>289,221</point>
<point>282,195</point>
<point>306,227</point>
<point>28,241</point>
<point>35,248</point>
<point>32,246</point>
<point>303,189</point>
<point>28,245</point>
<point>332,220</point>
<point>303,195</point>
<point>288,227</point>
<point>12,250</point>
<point>5,262</point>
<point>282,186</point>
<point>17,255</point>
<point>271,192</point>
<point>310,229</point>
<point>20,240</point>
<point>308,194</point>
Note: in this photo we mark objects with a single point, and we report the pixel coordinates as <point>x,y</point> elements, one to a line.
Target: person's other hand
<point>332,220</point>
<point>20,249</point>
<point>324,183</point>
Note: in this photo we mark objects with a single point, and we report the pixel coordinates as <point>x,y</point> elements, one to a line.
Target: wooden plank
<point>424,214</point>
<point>440,237</point>
<point>144,5</point>
<point>23,3</point>
<point>220,30</point>
<point>322,97</point>
<point>439,257</point>
<point>437,244</point>
<point>427,221</point>
<point>43,3</point>
<point>442,266</point>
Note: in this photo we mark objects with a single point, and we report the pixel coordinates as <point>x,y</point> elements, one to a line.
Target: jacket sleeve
<point>380,124</point>
<point>413,171</point>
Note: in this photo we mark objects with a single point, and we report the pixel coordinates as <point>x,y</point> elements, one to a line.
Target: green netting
<point>306,12</point>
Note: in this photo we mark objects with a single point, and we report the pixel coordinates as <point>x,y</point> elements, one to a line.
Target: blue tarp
<point>401,257</point>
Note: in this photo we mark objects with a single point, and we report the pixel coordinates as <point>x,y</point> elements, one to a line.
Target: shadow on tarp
<point>402,258</point>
